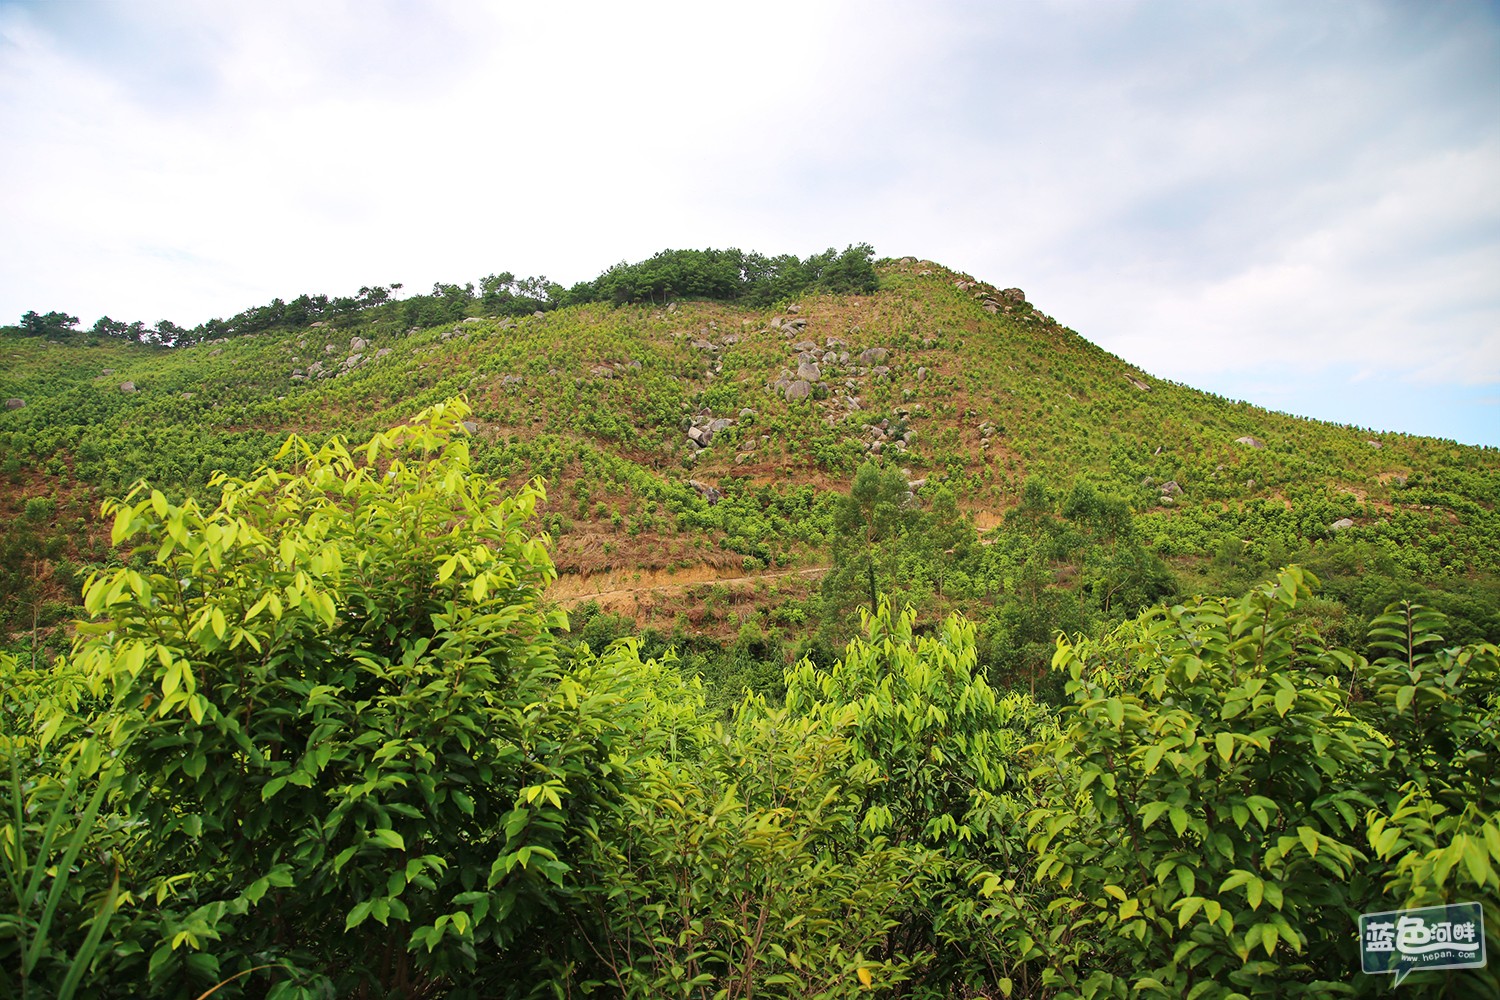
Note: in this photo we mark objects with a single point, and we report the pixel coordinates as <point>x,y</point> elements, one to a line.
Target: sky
<point>1292,203</point>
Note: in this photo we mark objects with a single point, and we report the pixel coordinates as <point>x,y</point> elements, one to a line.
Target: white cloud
<point>1196,188</point>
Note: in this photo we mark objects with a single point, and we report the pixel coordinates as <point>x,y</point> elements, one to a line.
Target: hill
<point>688,441</point>
<point>323,735</point>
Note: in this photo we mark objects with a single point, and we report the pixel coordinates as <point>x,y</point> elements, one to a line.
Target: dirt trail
<point>572,590</point>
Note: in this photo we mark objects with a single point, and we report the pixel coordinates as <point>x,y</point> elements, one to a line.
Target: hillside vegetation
<point>727,625</point>
<point>1055,485</point>
<point>322,737</point>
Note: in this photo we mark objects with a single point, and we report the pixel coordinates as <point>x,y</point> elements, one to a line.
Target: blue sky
<point>1292,203</point>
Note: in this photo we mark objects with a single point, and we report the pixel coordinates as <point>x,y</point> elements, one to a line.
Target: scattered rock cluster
<point>1006,300</point>
<point>1167,491</point>
<point>707,492</point>
<point>884,437</point>
<point>701,428</point>
<point>829,365</point>
<point>359,354</point>
<point>14,403</point>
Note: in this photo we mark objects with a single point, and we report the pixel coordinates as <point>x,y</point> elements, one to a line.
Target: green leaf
<point>1151,812</point>
<point>389,838</point>
<point>1404,697</point>
<point>1309,838</point>
<point>358,914</point>
<point>1225,744</point>
<point>1179,819</point>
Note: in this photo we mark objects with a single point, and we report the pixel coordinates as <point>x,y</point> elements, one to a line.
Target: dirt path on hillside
<point>572,590</point>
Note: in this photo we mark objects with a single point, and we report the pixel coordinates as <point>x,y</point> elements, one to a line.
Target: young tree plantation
<point>728,626</point>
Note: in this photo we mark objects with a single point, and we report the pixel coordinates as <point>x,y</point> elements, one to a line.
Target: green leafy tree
<point>1207,806</point>
<point>353,751</point>
<point>870,527</point>
<point>1204,806</point>
<point>947,759</point>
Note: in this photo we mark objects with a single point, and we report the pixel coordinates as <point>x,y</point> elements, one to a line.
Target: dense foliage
<point>723,275</point>
<point>321,738</point>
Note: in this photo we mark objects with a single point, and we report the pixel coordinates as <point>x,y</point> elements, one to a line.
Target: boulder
<point>1170,488</point>
<point>706,491</point>
<point>880,371</point>
<point>538,314</point>
<point>382,352</point>
<point>804,345</point>
<point>1373,444</point>
<point>353,360</point>
<point>14,403</point>
<point>746,412</point>
<point>108,371</point>
<point>1341,524</point>
<point>700,436</point>
<point>809,371</point>
<point>127,387</point>
<point>921,374</point>
<point>718,424</point>
<point>471,426</point>
<point>329,348</point>
<point>800,389</point>
<point>357,344</point>
<point>1250,442</point>
<point>473,319</point>
<point>1014,295</point>
<point>873,356</point>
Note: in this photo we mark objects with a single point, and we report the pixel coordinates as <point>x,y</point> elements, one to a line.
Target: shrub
<point>351,749</point>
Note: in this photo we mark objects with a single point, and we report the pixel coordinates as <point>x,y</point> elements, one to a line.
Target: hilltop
<point>1028,476</point>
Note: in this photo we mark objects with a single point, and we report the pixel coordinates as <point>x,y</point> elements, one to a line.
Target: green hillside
<point>1139,488</point>
<point>727,626</point>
